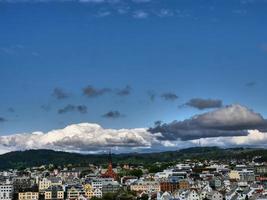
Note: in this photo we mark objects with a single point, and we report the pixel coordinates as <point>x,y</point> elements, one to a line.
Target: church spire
<point>110,173</point>
<point>110,157</point>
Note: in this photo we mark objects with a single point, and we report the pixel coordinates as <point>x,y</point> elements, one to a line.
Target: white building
<point>6,191</point>
<point>97,193</point>
<point>215,195</point>
<point>188,195</point>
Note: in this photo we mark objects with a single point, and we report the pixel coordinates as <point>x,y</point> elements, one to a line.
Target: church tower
<point>110,173</point>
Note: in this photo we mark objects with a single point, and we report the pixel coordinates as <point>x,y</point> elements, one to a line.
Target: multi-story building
<point>54,192</point>
<point>234,175</point>
<point>215,183</point>
<point>145,186</point>
<point>214,195</point>
<point>169,185</point>
<point>184,184</point>
<point>188,195</point>
<point>247,175</point>
<point>98,182</point>
<point>28,196</point>
<point>74,191</point>
<point>98,193</point>
<point>262,169</point>
<point>6,191</point>
<point>66,173</point>
<point>193,195</point>
<point>50,181</point>
<point>44,184</point>
<point>110,187</point>
<point>88,190</point>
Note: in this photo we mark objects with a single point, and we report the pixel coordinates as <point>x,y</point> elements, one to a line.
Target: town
<point>185,180</point>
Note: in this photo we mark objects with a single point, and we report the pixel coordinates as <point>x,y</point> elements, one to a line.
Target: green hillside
<point>30,158</point>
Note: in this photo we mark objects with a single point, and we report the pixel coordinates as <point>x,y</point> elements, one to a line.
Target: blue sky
<point>206,49</point>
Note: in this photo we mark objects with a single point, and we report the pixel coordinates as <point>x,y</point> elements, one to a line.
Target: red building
<point>169,186</point>
<point>110,173</point>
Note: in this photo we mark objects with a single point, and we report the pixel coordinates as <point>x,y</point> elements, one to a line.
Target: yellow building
<point>145,186</point>
<point>234,175</point>
<point>44,184</point>
<point>89,191</point>
<point>28,195</point>
<point>47,182</point>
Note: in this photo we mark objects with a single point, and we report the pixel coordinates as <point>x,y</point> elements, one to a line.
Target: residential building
<point>145,186</point>
<point>54,192</point>
<point>28,196</point>
<point>74,191</point>
<point>6,191</point>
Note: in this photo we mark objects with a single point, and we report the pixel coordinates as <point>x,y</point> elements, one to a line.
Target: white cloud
<point>82,137</point>
<point>92,138</point>
<point>233,115</point>
<point>140,14</point>
<point>255,138</point>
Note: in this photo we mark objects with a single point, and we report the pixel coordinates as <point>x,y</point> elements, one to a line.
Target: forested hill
<point>30,158</point>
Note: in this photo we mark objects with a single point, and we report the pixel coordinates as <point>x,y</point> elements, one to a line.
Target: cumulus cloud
<point>113,114</point>
<point>91,91</point>
<point>201,104</point>
<point>229,126</point>
<point>93,138</point>
<point>169,96</point>
<point>233,120</point>
<point>59,93</point>
<point>72,108</point>
<point>254,138</point>
<point>81,137</point>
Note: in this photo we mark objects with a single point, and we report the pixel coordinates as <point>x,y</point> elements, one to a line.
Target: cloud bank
<point>233,120</point>
<point>229,126</point>
<point>82,137</point>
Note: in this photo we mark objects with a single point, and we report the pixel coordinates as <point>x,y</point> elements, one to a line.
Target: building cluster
<point>188,180</point>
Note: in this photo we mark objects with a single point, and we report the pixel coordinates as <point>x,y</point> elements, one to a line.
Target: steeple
<point>110,173</point>
<point>110,157</point>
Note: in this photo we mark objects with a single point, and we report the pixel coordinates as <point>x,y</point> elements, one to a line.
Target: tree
<point>143,197</point>
<point>95,198</point>
<point>136,172</point>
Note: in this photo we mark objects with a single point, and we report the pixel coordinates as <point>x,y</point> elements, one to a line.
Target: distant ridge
<point>30,158</point>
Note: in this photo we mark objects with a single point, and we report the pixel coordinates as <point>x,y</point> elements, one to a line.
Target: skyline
<point>116,67</point>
